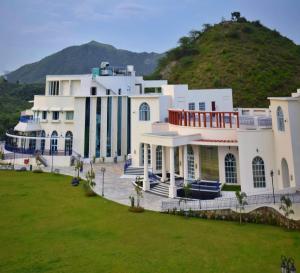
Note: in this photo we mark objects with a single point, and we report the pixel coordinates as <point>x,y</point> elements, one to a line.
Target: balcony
<point>28,124</point>
<point>204,119</point>
<point>228,120</point>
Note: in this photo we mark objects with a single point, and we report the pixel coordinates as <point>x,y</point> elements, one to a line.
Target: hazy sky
<point>33,29</point>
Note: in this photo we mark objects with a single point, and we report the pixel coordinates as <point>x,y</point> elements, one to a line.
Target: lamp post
<point>102,171</point>
<point>272,175</point>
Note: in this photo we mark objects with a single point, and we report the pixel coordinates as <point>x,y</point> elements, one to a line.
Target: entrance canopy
<point>169,138</point>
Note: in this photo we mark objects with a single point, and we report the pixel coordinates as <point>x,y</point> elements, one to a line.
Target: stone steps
<point>134,171</point>
<point>161,189</point>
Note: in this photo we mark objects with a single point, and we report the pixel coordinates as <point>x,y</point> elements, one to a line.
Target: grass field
<point>48,226</point>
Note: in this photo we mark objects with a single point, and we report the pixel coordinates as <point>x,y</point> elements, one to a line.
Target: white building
<point>197,135</point>
<point>190,136</point>
<point>87,115</point>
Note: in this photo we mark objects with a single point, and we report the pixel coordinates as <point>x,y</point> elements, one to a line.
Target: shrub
<point>38,171</point>
<point>136,209</point>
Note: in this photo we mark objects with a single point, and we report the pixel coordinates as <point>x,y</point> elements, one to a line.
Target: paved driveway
<point>116,188</point>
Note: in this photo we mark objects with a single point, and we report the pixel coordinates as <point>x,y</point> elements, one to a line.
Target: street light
<point>272,175</point>
<point>102,171</point>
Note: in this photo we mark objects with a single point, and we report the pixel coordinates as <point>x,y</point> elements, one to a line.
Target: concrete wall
<point>251,144</point>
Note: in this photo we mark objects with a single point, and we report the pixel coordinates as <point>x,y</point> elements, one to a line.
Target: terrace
<point>228,120</point>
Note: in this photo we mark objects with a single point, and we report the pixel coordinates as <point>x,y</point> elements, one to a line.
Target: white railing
<point>224,203</point>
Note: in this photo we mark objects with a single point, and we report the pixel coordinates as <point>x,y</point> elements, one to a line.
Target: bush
<point>233,34</point>
<point>88,190</point>
<point>38,171</point>
<point>136,209</point>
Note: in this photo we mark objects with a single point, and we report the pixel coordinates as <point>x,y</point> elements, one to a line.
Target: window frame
<point>258,172</point>
<point>144,112</point>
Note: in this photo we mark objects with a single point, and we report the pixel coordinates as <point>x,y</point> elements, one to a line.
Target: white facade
<point>247,143</point>
<point>173,132</point>
<point>82,114</point>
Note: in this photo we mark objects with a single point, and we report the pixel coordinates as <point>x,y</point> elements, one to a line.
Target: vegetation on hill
<point>14,98</point>
<point>254,61</point>
<point>80,59</point>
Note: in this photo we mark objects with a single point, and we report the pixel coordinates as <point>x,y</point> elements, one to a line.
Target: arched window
<point>53,142</point>
<point>158,158</point>
<point>280,119</point>
<point>190,162</point>
<point>43,134</point>
<point>68,143</point>
<point>144,111</point>
<point>258,170</point>
<point>230,169</point>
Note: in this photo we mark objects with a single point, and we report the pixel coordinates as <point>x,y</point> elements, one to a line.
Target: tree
<point>187,190</point>
<point>78,167</point>
<point>184,41</point>
<point>194,34</point>
<point>235,16</point>
<point>286,207</point>
<point>90,176</point>
<point>241,198</point>
<point>138,190</point>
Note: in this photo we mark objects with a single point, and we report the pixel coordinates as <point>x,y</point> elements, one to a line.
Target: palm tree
<point>286,207</point>
<point>241,198</point>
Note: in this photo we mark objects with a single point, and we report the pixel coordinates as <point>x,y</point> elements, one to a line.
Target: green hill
<point>254,61</point>
<point>14,99</point>
<point>80,59</point>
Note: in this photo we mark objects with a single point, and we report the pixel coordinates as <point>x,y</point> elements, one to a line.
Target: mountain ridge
<point>79,59</point>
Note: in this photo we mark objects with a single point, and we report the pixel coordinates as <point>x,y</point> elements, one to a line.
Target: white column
<point>185,165</point>
<point>146,185</point>
<point>163,164</point>
<point>172,188</point>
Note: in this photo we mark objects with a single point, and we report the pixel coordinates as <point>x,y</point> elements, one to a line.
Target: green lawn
<point>48,226</point>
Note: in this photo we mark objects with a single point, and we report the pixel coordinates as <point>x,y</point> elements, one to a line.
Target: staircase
<point>161,189</point>
<point>134,171</point>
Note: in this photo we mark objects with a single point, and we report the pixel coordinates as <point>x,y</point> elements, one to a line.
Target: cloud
<point>95,10</point>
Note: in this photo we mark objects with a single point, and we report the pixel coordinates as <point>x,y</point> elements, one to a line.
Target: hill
<point>254,61</point>
<point>80,59</point>
<point>14,99</point>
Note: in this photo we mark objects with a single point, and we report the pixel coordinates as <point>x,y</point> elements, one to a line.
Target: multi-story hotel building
<point>176,135</point>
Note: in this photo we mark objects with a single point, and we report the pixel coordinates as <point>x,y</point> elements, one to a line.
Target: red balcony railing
<point>204,119</point>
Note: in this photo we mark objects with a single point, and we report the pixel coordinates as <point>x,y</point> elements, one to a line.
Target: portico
<point>169,141</point>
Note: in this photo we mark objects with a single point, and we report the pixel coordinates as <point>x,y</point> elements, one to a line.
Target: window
<point>120,91</point>
<point>258,170</point>
<point>68,143</point>
<point>149,154</point>
<point>190,161</point>
<point>202,106</point>
<point>107,92</point>
<point>280,119</point>
<point>53,142</point>
<point>44,115</point>
<point>55,115</point>
<point>69,115</point>
<point>53,88</point>
<point>93,91</point>
<point>144,112</point>
<point>191,106</point>
<point>158,158</point>
<point>230,169</point>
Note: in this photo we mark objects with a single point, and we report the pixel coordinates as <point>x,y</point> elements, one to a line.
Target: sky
<point>33,29</point>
